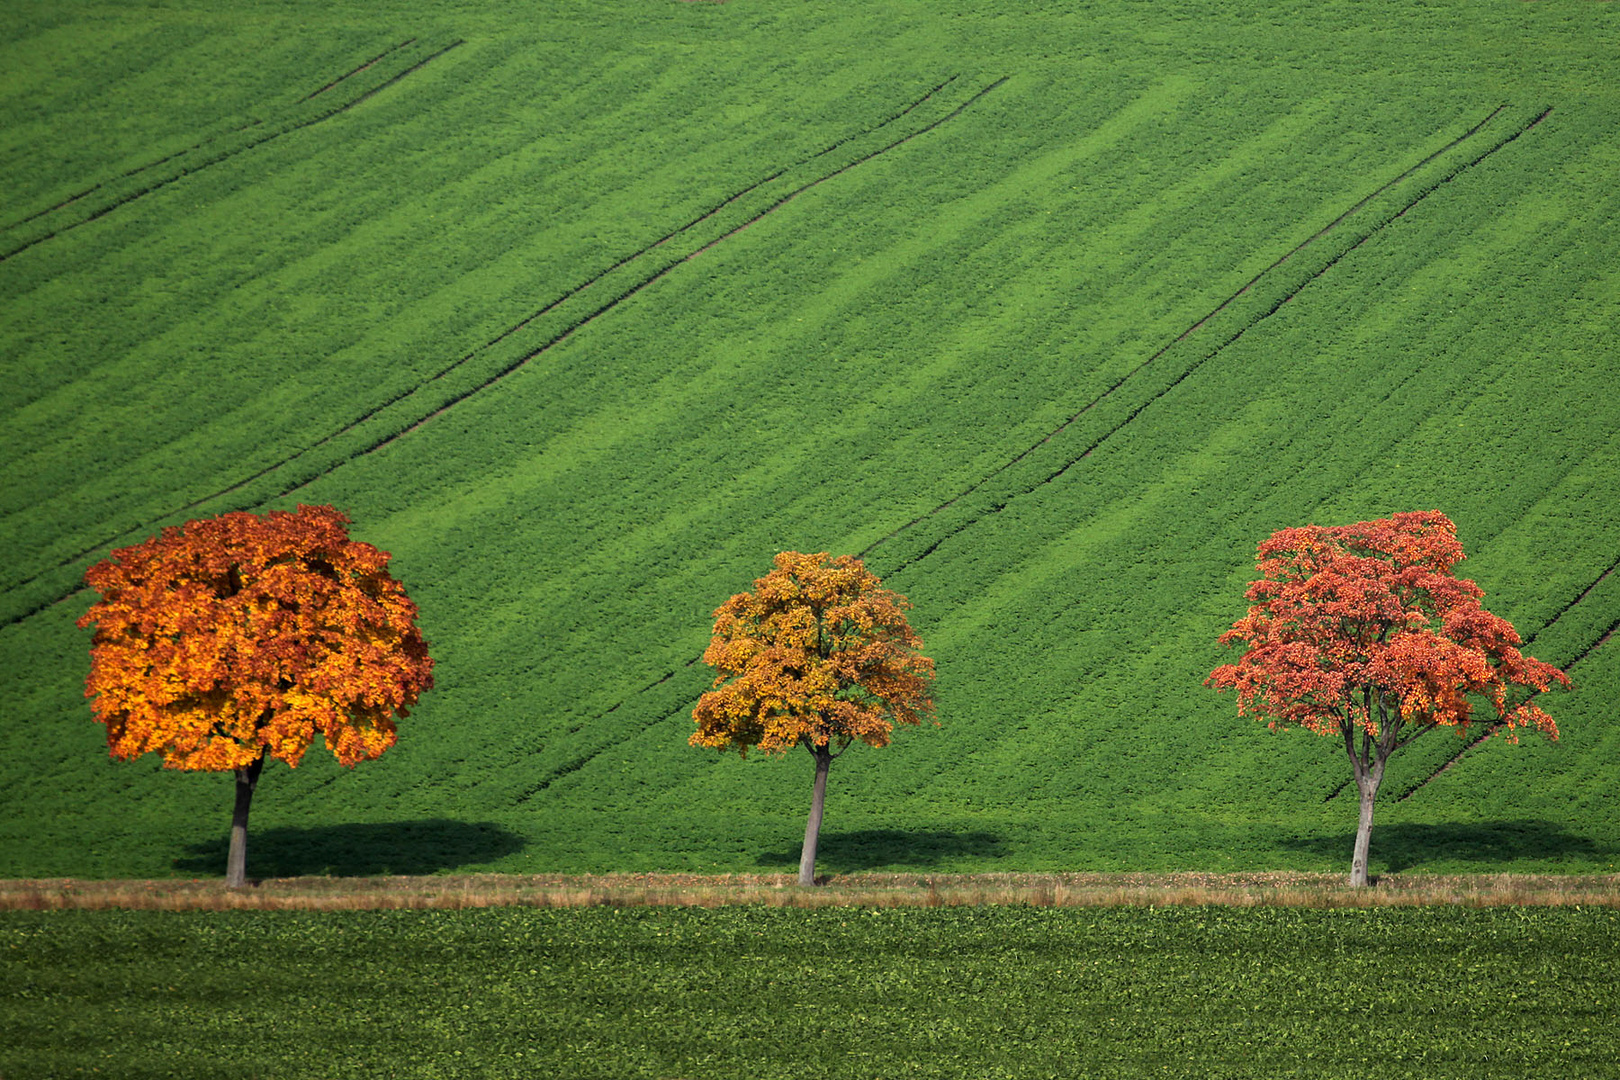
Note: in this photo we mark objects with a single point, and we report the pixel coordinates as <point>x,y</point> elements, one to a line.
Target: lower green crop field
<point>760,993</point>
<point>1050,311</point>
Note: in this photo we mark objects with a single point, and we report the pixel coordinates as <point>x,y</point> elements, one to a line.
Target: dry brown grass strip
<point>1275,889</point>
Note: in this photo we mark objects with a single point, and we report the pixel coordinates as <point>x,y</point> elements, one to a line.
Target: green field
<point>760,993</point>
<point>584,311</point>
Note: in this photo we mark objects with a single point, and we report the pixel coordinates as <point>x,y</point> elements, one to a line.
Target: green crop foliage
<point>838,992</point>
<point>586,313</point>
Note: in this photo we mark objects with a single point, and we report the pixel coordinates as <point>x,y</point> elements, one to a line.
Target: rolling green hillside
<point>584,311</point>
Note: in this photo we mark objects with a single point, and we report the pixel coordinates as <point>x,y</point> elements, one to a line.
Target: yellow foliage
<point>817,653</point>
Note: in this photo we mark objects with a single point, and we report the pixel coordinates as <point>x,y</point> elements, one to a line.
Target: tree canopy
<point>231,639</point>
<point>818,655</point>
<point>1361,631</point>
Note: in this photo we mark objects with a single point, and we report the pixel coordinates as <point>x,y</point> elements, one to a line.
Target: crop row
<point>412,406</point>
<point>104,197</point>
<point>508,348</point>
<point>1024,642</point>
<point>930,323</point>
<point>746,992</point>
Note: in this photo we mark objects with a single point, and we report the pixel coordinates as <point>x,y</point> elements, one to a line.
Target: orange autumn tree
<point>234,639</point>
<point>1362,633</point>
<point>818,656</point>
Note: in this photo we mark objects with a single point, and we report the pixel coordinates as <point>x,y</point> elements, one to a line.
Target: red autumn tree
<point>818,656</point>
<point>1361,632</point>
<point>234,639</point>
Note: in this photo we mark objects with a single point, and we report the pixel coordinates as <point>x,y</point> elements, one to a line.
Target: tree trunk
<point>1368,766</point>
<point>812,827</point>
<point>1358,860</point>
<point>247,778</point>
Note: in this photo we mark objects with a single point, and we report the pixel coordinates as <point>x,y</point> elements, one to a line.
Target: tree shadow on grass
<point>869,849</point>
<point>1485,844</point>
<point>359,850</point>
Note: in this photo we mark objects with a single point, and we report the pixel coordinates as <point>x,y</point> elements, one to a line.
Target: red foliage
<point>1363,625</point>
<point>241,635</point>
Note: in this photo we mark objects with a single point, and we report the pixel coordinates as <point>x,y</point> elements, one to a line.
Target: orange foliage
<point>818,653</point>
<point>241,635</point>
<point>1360,621</point>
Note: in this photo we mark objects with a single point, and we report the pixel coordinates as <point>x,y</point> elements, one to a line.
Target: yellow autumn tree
<point>818,655</point>
<point>239,638</point>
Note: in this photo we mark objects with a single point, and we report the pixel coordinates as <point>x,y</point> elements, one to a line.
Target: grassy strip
<point>455,892</point>
<point>757,992</point>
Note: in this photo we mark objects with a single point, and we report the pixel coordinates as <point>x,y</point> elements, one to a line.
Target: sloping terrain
<point>1052,316</point>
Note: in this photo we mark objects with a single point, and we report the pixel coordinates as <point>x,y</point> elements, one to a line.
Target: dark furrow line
<point>1597,643</point>
<point>1495,726</point>
<point>1425,194</point>
<point>44,605</point>
<point>1000,505</point>
<point>1526,642</point>
<point>879,126</point>
<point>557,774</point>
<point>1216,310</point>
<point>577,763</point>
<point>1137,411</point>
<point>93,188</point>
<point>351,74</point>
<point>1016,458</point>
<point>790,196</point>
<point>504,334</point>
<point>1559,614</point>
<point>497,339</point>
<point>996,508</point>
<point>630,293</point>
<point>1444,766</point>
<point>226,156</point>
<point>375,90</point>
<point>303,124</point>
<point>660,681</point>
<point>633,256</point>
<point>71,199</point>
<point>1603,639</point>
<point>1330,226</point>
<point>1410,738</point>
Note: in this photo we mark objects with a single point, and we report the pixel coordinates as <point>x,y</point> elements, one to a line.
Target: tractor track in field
<point>1492,728</point>
<point>1197,325</point>
<point>576,290</point>
<point>530,355</point>
<point>363,67</point>
<point>148,166</point>
<point>1495,726</point>
<point>306,122</point>
<point>659,274</point>
<point>1272,309</point>
<point>271,132</point>
<point>581,760</point>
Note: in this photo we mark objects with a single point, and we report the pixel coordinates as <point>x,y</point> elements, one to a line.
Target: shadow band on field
<point>1409,846</point>
<point>359,850</point>
<point>872,849</point>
